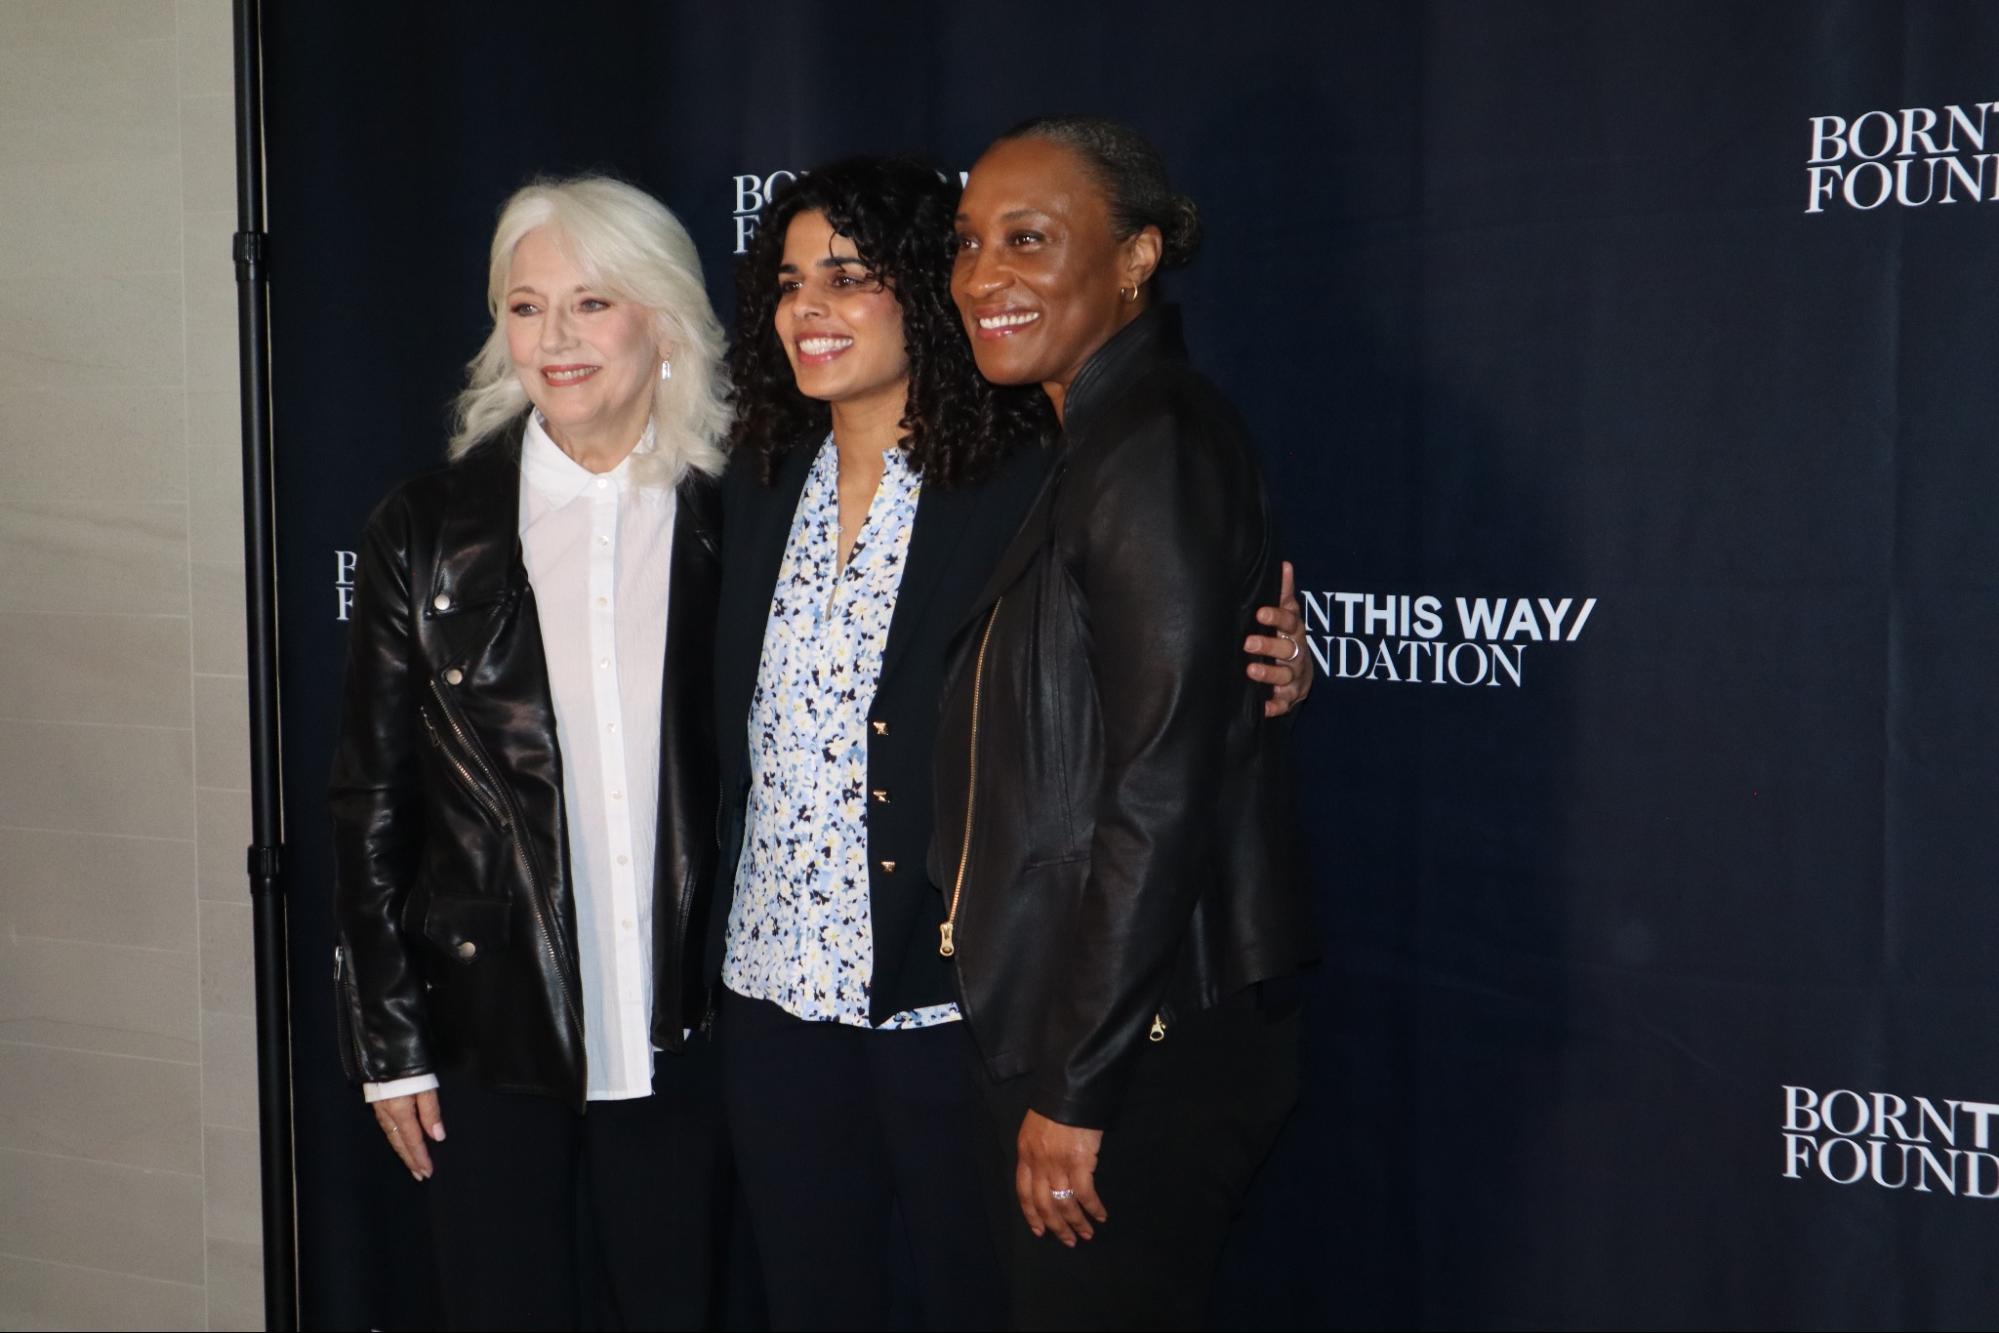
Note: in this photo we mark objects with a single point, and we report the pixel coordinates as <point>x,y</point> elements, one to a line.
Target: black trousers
<point>834,1128</point>
<point>544,1218</point>
<point>1202,1112</point>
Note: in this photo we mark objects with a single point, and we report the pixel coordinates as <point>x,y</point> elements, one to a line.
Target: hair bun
<point>1180,233</point>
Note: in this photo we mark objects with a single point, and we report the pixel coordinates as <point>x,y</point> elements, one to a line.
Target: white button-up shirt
<point>598,551</point>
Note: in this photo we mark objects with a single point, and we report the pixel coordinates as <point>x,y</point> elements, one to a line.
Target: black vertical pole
<point>274,1064</point>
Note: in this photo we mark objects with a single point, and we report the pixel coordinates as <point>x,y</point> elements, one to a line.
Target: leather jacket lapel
<point>479,572</point>
<point>1026,544</point>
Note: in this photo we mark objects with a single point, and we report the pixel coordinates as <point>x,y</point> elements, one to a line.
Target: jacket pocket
<point>466,930</point>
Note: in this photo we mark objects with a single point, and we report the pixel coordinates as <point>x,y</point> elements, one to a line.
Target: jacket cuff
<point>1068,1106</point>
<point>399,1087</point>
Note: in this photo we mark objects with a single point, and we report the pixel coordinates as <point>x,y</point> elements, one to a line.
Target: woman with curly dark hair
<point>876,478</point>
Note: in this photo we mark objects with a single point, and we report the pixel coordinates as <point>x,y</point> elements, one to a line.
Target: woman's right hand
<point>407,1122</point>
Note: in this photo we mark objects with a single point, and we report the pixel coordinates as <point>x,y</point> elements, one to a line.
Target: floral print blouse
<point>800,932</point>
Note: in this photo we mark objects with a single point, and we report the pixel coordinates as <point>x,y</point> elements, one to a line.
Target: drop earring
<point>666,370</point>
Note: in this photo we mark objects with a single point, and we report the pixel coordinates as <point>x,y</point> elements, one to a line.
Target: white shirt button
<point>611,727</point>
<point>603,663</point>
<point>617,796</point>
<point>603,483</point>
<point>624,860</point>
<point>603,601</point>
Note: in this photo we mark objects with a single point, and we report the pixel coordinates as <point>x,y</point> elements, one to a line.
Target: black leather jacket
<point>455,925</point>
<point>1114,811</point>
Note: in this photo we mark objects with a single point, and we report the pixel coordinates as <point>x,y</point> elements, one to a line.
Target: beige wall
<point>128,1162</point>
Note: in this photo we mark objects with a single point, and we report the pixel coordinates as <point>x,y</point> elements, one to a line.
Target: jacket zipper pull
<point>944,944</point>
<point>1158,1031</point>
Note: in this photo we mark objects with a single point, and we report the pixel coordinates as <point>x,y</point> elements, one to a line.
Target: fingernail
<point>417,1176</point>
<point>437,1131</point>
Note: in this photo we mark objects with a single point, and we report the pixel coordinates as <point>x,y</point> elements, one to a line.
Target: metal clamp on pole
<point>263,864</point>
<point>247,249</point>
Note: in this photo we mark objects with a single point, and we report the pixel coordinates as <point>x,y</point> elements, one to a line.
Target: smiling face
<point>1039,270</point>
<point>841,328</point>
<point>588,361</point>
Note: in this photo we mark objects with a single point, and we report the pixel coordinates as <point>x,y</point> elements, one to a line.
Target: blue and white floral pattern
<point>800,932</point>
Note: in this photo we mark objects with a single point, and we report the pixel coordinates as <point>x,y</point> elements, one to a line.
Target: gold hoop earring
<point>1129,294</point>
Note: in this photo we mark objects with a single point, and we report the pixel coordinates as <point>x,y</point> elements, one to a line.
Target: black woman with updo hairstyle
<point>1124,906</point>
<point>875,479</point>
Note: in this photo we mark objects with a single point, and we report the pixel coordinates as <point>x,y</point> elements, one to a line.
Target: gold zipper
<point>945,945</point>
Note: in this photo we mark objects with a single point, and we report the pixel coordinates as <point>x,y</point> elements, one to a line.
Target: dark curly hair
<point>898,212</point>
<point>1131,174</point>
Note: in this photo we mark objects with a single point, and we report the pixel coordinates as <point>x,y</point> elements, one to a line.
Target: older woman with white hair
<point>525,784</point>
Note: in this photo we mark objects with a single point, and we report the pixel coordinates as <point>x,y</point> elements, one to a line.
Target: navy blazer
<point>959,534</point>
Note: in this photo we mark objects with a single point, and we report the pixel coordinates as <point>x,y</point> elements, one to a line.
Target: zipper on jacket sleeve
<point>945,944</point>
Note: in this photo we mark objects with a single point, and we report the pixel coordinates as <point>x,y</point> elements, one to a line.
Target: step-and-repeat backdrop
<point>1626,374</point>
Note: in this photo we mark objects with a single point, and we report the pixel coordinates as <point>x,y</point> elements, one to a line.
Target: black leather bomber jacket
<point>455,926</point>
<point>1114,812</point>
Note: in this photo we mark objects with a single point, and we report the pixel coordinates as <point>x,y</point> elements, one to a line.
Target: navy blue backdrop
<point>1625,372</point>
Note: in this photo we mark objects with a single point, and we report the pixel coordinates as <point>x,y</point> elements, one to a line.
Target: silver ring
<point>1297,648</point>
<point>1063,1194</point>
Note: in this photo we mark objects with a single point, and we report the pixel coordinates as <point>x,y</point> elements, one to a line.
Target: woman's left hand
<point>1056,1179</point>
<point>1289,671</point>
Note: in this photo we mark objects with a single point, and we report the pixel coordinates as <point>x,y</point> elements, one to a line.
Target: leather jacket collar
<point>1148,341</point>
<point>1134,349</point>
<point>479,545</point>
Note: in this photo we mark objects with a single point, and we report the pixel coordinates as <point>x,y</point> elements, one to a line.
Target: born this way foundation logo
<point>1420,639</point>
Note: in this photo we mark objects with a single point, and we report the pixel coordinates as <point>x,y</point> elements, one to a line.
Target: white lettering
<point>1428,623</point>
<point>1825,1161</point>
<point>1827,1111</point>
<point>1974,134</point>
<point>1480,619</point>
<point>1880,172</point>
<point>1983,1113</point>
<point>1912,131</point>
<point>1523,622</point>
<point>1828,132</point>
<point>1478,653</point>
<point>1888,136</point>
<point>1799,1103</point>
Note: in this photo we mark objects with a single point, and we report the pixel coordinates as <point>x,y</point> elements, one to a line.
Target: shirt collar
<point>556,477</point>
